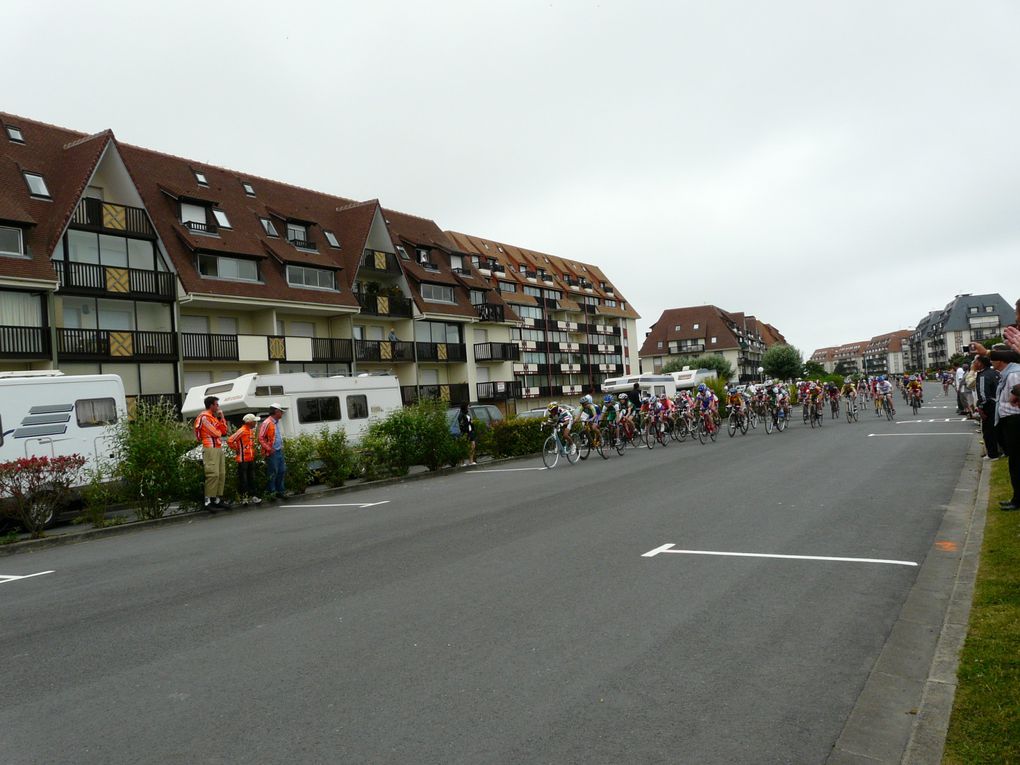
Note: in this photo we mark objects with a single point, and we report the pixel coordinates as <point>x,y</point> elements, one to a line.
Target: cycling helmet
<point>585,399</point>
<point>662,397</point>
<point>553,406</point>
<point>623,397</point>
<point>702,388</point>
<point>607,399</point>
<point>881,378</point>
<point>847,380</point>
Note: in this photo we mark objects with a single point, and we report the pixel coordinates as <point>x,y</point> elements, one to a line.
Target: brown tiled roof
<point>712,322</point>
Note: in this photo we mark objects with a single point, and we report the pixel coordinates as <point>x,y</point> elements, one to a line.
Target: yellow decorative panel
<point>444,392</point>
<point>385,350</point>
<point>441,350</point>
<point>380,261</point>
<point>114,216</point>
<point>122,344</point>
<point>117,280</point>
<point>277,348</point>
<point>383,304</point>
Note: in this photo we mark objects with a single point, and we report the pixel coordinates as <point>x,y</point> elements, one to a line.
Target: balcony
<point>24,342</point>
<point>497,352</point>
<point>384,305</point>
<point>209,229</point>
<point>170,401</point>
<point>682,349</point>
<point>490,312</point>
<point>332,349</point>
<point>441,351</point>
<point>383,351</point>
<point>105,217</point>
<point>304,244</point>
<point>453,393</point>
<point>111,281</point>
<point>115,344</point>
<point>383,262</point>
<point>208,347</point>
<point>428,265</point>
<point>497,391</point>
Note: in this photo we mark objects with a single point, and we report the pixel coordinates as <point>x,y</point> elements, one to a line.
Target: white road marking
<point>947,419</point>
<point>669,549</point>
<point>908,435</point>
<point>347,504</point>
<point>5,578</point>
<point>505,470</point>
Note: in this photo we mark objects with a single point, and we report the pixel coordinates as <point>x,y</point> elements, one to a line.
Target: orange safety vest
<point>209,429</point>
<point>267,435</point>
<point>243,442</point>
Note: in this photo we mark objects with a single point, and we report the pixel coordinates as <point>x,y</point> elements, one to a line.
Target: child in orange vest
<point>243,444</point>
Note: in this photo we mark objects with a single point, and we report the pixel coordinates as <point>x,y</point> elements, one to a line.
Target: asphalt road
<point>492,617</point>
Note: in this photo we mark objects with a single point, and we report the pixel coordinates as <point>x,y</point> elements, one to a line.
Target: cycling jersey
<point>589,412</point>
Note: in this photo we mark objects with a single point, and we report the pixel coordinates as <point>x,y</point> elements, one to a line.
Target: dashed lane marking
<point>7,578</point>
<point>504,470</point>
<point>947,419</point>
<point>914,435</point>
<point>669,549</point>
<point>346,504</point>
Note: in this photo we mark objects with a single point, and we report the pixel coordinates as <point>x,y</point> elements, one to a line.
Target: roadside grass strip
<point>985,723</point>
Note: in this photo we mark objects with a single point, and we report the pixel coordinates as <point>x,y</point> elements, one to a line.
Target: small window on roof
<point>36,184</point>
<point>402,252</point>
<point>221,218</point>
<point>331,238</point>
<point>697,326</point>
<point>268,227</point>
<point>200,177</point>
<point>676,328</point>
<point>14,133</point>
<point>248,188</point>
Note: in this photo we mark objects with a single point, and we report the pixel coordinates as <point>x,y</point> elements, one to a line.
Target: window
<point>14,134</point>
<point>713,339</point>
<point>325,409</point>
<point>437,293</point>
<point>95,411</point>
<point>658,344</point>
<point>402,252</point>
<point>268,227</point>
<point>477,297</point>
<point>423,255</point>
<point>248,188</point>
<point>331,238</point>
<point>507,287</point>
<point>319,278</point>
<point>533,291</point>
<point>193,213</point>
<point>200,177</point>
<point>697,326</point>
<point>521,267</point>
<point>221,218</point>
<point>456,261</point>
<point>297,234</point>
<point>973,309</point>
<point>357,407</point>
<point>36,185</point>
<point>989,309</point>
<point>219,267</point>
<point>676,328</point>
<point>10,241</point>
<point>610,303</point>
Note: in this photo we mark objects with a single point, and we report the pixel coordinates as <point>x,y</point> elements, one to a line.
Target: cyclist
<point>560,417</point>
<point>849,392</point>
<point>735,401</point>
<point>626,414</point>
<point>708,405</point>
<point>884,390</point>
<point>610,412</point>
<point>589,415</point>
<point>915,388</point>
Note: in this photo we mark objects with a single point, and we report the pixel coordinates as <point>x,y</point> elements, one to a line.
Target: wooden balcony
<point>442,352</point>
<point>497,352</point>
<point>115,345</point>
<point>24,342</point>
<point>453,393</point>
<point>108,218</point>
<point>115,281</point>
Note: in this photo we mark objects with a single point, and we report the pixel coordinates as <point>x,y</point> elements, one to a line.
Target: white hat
<point>250,418</point>
<point>277,406</point>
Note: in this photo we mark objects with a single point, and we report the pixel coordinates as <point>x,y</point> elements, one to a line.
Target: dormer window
<point>11,242</point>
<point>331,238</point>
<point>402,252</point>
<point>248,188</point>
<point>221,218</point>
<point>36,185</point>
<point>697,326</point>
<point>297,235</point>
<point>423,255</point>
<point>200,177</point>
<point>14,133</point>
<point>268,227</point>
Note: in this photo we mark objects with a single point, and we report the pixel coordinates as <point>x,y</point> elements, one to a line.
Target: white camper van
<point>691,378</point>
<point>649,383</point>
<point>49,414</point>
<point>311,403</point>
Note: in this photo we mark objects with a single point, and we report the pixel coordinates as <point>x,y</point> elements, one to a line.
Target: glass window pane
<point>37,185</point>
<point>227,268</point>
<point>247,269</point>
<point>140,254</point>
<point>115,314</point>
<point>113,251</point>
<point>10,241</point>
<point>221,218</point>
<point>82,247</point>
<point>190,212</point>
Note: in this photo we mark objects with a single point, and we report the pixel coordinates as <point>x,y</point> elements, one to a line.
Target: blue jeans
<point>277,468</point>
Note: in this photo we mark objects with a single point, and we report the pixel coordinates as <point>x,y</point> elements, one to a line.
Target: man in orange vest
<point>271,441</point>
<point>243,444</point>
<point>210,427</point>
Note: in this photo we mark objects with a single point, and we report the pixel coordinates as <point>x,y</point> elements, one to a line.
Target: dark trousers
<point>988,429</point>
<point>1009,438</point>
<point>246,479</point>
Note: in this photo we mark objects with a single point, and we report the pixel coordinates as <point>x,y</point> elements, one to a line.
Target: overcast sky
<point>837,169</point>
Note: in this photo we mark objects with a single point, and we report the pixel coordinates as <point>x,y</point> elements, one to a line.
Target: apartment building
<point>887,354</point>
<point>174,273</point>
<point>684,333</point>
<point>965,319</point>
<point>826,357</point>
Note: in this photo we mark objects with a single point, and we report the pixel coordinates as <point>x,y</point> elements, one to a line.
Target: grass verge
<point>985,723</point>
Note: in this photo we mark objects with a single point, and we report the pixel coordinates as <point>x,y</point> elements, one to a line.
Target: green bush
<point>336,455</point>
<point>298,453</point>
<point>517,437</point>
<point>100,492</point>
<point>374,459</point>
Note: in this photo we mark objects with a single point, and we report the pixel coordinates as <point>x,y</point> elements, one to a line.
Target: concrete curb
<point>74,537</point>
<point>902,713</point>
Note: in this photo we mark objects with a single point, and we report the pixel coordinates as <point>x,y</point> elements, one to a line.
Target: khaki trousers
<point>215,464</point>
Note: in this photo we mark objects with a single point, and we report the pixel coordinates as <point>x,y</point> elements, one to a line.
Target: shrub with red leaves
<point>32,488</point>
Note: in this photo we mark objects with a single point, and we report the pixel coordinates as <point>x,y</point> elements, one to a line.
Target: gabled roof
<point>676,325</point>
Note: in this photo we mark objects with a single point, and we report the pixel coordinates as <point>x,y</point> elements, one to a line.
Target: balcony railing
<point>208,347</point>
<point>168,400</point>
<point>303,244</point>
<point>461,271</point>
<point>497,352</point>
<point>696,348</point>
<point>454,393</point>
<point>113,344</point>
<point>383,350</point>
<point>24,342</point>
<point>497,391</point>
<point>384,262</point>
<point>441,351</point>
<point>97,215</point>
<point>115,280</point>
<point>383,305</point>
<point>490,312</point>
<point>201,228</point>
<point>332,349</point>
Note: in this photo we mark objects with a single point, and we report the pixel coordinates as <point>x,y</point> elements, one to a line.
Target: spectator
<point>970,390</point>
<point>987,383</point>
<point>271,441</point>
<point>210,427</point>
<point>1007,422</point>
<point>961,404</point>
<point>392,336</point>
<point>243,444</point>
<point>467,430</point>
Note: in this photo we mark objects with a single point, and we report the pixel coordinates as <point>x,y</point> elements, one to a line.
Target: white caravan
<point>691,378</point>
<point>310,403</point>
<point>649,383</point>
<point>49,414</point>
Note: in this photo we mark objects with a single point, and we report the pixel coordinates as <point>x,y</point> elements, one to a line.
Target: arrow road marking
<point>669,549</point>
<point>5,578</point>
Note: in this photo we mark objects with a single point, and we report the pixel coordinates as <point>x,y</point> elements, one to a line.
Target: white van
<point>310,403</point>
<point>649,383</point>
<point>49,414</point>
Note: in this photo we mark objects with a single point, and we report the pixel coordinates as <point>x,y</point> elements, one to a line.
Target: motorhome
<point>649,383</point>
<point>49,414</point>
<point>691,378</point>
<point>310,403</point>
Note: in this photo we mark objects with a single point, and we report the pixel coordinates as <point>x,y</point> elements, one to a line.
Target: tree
<point>713,361</point>
<point>843,368</point>
<point>782,362</point>
<point>813,369</point>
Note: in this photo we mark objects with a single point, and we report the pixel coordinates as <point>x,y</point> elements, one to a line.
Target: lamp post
<point>761,373</point>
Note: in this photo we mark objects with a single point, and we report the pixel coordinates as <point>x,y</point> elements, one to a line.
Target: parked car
<point>486,413</point>
<point>536,414</point>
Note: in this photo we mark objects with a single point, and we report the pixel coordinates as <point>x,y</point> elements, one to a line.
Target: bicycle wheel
<point>714,432</point>
<point>681,430</point>
<point>807,414</point>
<point>600,447</point>
<point>744,425</point>
<point>812,418</point>
<point>550,452</point>
<point>855,414</point>
<point>767,420</point>
<point>820,414</point>
<point>888,411</point>
<point>572,454</point>
<point>583,441</point>
<point>619,443</point>
<point>662,436</point>
<point>752,419</point>
<point>914,405</point>
<point>849,412</point>
<point>781,422</point>
<point>650,436</point>
<point>733,424</point>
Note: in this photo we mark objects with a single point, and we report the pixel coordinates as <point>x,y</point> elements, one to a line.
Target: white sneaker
<point>472,464</point>
<point>255,500</point>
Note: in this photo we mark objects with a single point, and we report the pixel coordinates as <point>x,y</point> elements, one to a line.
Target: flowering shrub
<point>33,488</point>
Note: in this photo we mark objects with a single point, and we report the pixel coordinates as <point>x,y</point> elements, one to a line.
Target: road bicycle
<point>768,417</point>
<point>851,409</point>
<point>781,417</point>
<point>737,421</point>
<point>554,448</point>
<point>915,402</point>
<point>588,438</point>
<point>614,433</point>
<point>817,414</point>
<point>707,426</point>
<point>655,431</point>
<point>834,407</point>
<point>887,407</point>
